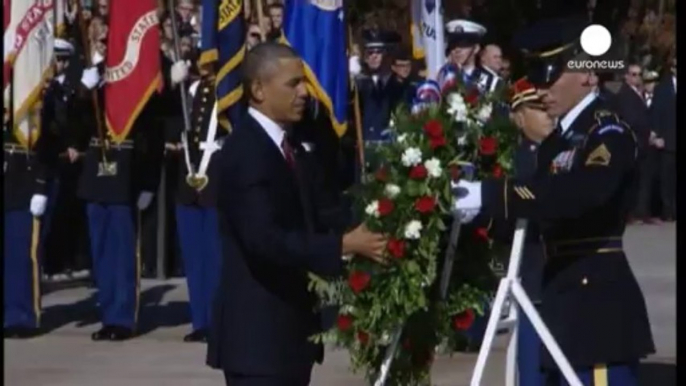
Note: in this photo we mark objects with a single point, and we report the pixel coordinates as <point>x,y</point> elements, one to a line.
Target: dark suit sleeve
<point>610,152</point>
<point>246,204</point>
<point>657,111</point>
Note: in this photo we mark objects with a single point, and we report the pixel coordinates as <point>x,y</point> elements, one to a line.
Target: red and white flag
<point>28,39</point>
<point>133,63</point>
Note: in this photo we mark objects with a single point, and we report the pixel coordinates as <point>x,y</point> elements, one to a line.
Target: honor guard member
<point>63,139</point>
<point>464,43</point>
<point>118,178</point>
<point>374,90</point>
<point>196,212</point>
<point>580,196</point>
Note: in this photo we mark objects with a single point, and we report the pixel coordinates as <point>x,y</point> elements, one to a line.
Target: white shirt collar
<point>60,78</point>
<point>576,110</point>
<point>275,132</point>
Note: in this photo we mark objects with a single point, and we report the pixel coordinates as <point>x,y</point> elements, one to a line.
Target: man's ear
<point>257,90</point>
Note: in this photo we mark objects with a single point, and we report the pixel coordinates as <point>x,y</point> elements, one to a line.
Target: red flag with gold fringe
<point>133,63</point>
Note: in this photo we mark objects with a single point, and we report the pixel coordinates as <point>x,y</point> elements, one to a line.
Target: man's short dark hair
<point>275,5</point>
<point>260,61</point>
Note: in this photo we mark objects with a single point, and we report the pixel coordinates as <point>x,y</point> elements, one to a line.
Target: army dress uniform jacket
<point>203,102</point>
<point>376,104</point>
<point>25,171</point>
<point>580,196</point>
<point>138,157</point>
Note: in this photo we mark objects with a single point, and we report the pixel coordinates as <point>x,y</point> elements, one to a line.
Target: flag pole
<point>94,92</point>
<point>356,108</point>
<point>260,18</point>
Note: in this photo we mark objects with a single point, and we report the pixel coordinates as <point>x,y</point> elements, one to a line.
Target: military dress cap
<point>378,39</point>
<point>463,33</point>
<point>547,47</point>
<point>63,48</point>
<point>523,91</point>
<point>650,76</point>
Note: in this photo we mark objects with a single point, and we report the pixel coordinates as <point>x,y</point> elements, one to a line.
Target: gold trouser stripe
<point>587,252</point>
<point>138,265</point>
<point>600,375</point>
<point>505,197</point>
<point>35,238</point>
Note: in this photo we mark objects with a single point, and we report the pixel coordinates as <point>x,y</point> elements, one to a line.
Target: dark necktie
<point>288,153</point>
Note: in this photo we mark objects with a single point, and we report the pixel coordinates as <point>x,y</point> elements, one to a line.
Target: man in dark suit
<point>273,234</point>
<point>663,119</point>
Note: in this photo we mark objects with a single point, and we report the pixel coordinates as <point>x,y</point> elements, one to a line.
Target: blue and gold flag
<point>223,42</point>
<point>316,29</point>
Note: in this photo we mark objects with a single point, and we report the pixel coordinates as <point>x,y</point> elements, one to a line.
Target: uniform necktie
<point>288,153</point>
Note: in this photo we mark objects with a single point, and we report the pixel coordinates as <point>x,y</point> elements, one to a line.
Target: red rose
<point>385,207</point>
<point>344,322</point>
<point>472,97</point>
<point>396,248</point>
<point>488,145</point>
<point>381,175</point>
<point>425,204</point>
<point>463,320</point>
<point>362,337</point>
<point>437,142</point>
<point>497,171</point>
<point>481,233</point>
<point>455,172</point>
<point>358,281</point>
<point>418,172</point>
<point>433,128</point>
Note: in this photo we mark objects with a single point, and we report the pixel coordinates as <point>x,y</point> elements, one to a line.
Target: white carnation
<point>402,138</point>
<point>433,166</point>
<point>391,123</point>
<point>392,190</point>
<point>413,230</point>
<point>485,112</point>
<point>372,209</point>
<point>458,107</point>
<point>411,157</point>
<point>385,339</point>
<point>462,140</point>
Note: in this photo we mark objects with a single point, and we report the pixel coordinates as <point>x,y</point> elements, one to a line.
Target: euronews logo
<point>596,42</point>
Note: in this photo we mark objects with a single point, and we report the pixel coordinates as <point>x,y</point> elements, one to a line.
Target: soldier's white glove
<point>354,65</point>
<point>144,200</point>
<point>38,204</point>
<point>97,58</point>
<point>90,77</point>
<point>467,200</point>
<point>179,72</point>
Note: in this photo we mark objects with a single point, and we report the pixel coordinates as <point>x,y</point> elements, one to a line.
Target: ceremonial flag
<point>60,9</point>
<point>28,38</point>
<point>133,63</point>
<point>316,29</point>
<point>223,43</point>
<point>427,34</point>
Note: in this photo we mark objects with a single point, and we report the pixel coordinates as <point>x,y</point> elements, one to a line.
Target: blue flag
<point>316,29</point>
<point>223,43</point>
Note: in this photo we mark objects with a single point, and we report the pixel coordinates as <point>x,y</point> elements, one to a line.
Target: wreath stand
<point>509,289</point>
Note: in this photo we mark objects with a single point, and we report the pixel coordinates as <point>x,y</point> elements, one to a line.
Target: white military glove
<point>354,65</point>
<point>97,58</point>
<point>144,200</point>
<point>179,72</point>
<point>90,77</point>
<point>38,204</point>
<point>467,200</point>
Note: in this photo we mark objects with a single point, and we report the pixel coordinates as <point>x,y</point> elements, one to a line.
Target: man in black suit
<point>273,234</point>
<point>663,119</point>
<point>631,106</point>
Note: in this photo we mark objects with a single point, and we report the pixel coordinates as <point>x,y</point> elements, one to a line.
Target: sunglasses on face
<point>372,52</point>
<point>634,74</point>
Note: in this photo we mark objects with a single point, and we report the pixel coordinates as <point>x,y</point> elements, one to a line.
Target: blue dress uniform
<point>110,189</point>
<point>196,212</point>
<point>375,92</point>
<point>580,196</point>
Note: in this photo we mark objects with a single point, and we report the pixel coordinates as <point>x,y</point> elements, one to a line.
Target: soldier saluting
<point>580,196</point>
<point>196,213</point>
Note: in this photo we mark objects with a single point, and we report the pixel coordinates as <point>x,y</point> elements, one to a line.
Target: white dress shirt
<point>273,130</point>
<point>571,116</point>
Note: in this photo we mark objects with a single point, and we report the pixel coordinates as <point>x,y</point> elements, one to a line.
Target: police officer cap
<point>650,76</point>
<point>463,33</point>
<point>377,39</point>
<point>547,47</point>
<point>63,48</point>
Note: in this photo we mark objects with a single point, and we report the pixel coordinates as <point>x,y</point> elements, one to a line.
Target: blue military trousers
<point>116,264</point>
<point>22,270</point>
<point>599,375</point>
<point>198,230</point>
